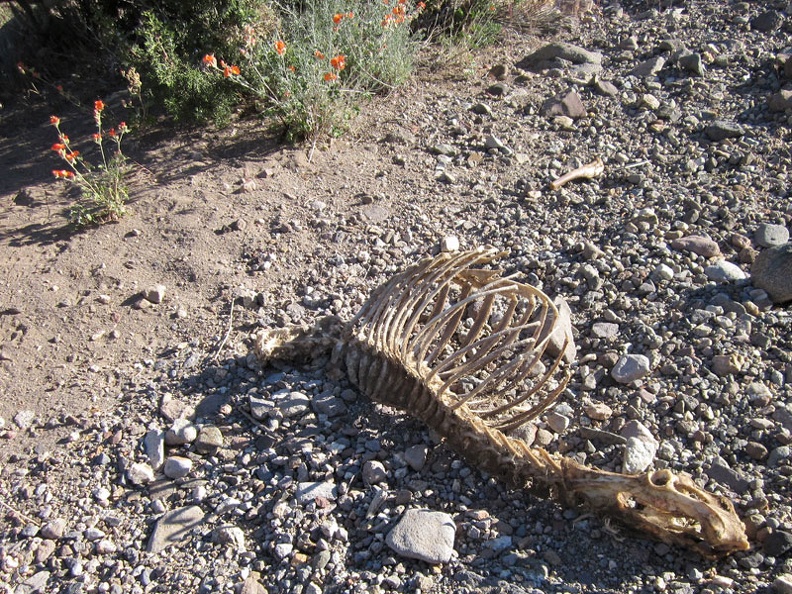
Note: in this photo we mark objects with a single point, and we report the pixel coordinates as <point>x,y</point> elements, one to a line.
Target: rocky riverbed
<point>148,450</point>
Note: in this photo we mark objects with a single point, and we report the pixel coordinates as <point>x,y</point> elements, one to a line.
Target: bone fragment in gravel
<point>590,171</point>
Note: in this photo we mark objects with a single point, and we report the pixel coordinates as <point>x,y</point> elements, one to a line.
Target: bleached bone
<point>588,171</point>
<point>465,350</point>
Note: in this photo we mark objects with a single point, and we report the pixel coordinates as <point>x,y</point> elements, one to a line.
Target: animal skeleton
<point>473,355</point>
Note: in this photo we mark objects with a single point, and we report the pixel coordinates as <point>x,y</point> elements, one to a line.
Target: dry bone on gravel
<point>471,354</point>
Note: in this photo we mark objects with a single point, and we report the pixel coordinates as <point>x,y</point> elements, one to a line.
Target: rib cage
<point>412,347</point>
<point>480,340</point>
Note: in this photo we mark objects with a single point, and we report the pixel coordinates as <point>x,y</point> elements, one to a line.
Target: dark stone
<point>721,130</point>
<point>777,543</point>
<point>768,21</point>
<point>772,271</point>
<point>568,105</point>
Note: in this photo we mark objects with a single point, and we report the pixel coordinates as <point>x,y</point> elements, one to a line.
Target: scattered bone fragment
<point>589,171</point>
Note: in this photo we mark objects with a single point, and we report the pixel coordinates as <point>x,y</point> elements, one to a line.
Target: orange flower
<point>350,15</point>
<point>58,147</point>
<point>64,139</point>
<point>330,76</point>
<point>421,5</point>
<point>210,60</point>
<point>319,55</point>
<point>54,120</point>
<point>71,156</point>
<point>96,137</point>
<point>337,17</point>
<point>339,62</point>
<point>62,173</point>
<point>280,47</point>
<point>99,105</point>
<point>292,69</point>
<point>235,70</point>
<point>111,133</point>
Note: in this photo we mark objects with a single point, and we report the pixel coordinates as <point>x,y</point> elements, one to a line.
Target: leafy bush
<point>315,66</point>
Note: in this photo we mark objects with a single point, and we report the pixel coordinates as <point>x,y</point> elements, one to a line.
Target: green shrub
<point>313,69</point>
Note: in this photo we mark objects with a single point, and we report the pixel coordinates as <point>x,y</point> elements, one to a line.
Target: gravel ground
<point>213,474</point>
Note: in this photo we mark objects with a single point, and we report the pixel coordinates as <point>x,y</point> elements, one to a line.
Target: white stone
<point>557,422</point>
<point>374,472</point>
<point>154,293</point>
<point>425,535</point>
<point>638,455</point>
<point>140,473</point>
<point>562,332</point>
<point>177,467</point>
<point>449,243</point>
<point>154,446</point>
<point>182,431</point>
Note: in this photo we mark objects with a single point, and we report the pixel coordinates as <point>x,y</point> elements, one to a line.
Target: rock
<point>415,456</point>
<point>54,529</point>
<point>604,330</point>
<point>177,467</point>
<point>294,404</point>
<point>374,472</point>
<point>692,63</point>
<point>638,455</point>
<point>550,56</point>
<point>630,368</point>
<point>499,89</point>
<point>328,405</point>
<point>557,422</point>
<point>723,271</point>
<point>425,535</point>
<point>44,551</point>
<point>253,585</point>
<point>721,130</point>
<point>182,431</point>
<point>231,536</point>
<point>780,101</point>
<point>721,472</point>
<point>605,88</point>
<point>140,473</point>
<point>105,547</point>
<point>599,411</point>
<point>209,440</point>
<point>173,409</point>
<point>772,271</point>
<point>174,527</point>
<point>24,418</point>
<point>723,365</point>
<point>449,243</point>
<point>568,104</point>
<point>562,332</point>
<point>649,67</point>
<point>783,584</point>
<point>154,447</point>
<point>260,408</point>
<point>34,584</point>
<point>307,492</point>
<point>777,543</point>
<point>768,21</point>
<point>703,246</point>
<point>768,235</point>
<point>154,293</point>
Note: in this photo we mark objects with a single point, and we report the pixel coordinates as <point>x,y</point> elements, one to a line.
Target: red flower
<point>71,156</point>
<point>64,139</point>
<point>99,105</point>
<point>54,120</point>
<point>111,133</point>
<point>421,5</point>
<point>339,62</point>
<point>330,76</point>
<point>62,173</point>
<point>122,127</point>
<point>58,147</point>
<point>337,17</point>
<point>280,47</point>
<point>96,137</point>
<point>350,15</point>
<point>210,60</point>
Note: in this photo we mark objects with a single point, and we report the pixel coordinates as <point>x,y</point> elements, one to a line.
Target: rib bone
<point>466,351</point>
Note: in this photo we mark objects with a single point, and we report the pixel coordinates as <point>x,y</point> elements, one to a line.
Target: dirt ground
<point>205,204</point>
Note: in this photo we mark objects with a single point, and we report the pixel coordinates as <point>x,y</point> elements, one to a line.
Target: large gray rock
<point>550,55</point>
<point>630,368</point>
<point>772,271</point>
<point>425,535</point>
<point>174,527</point>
